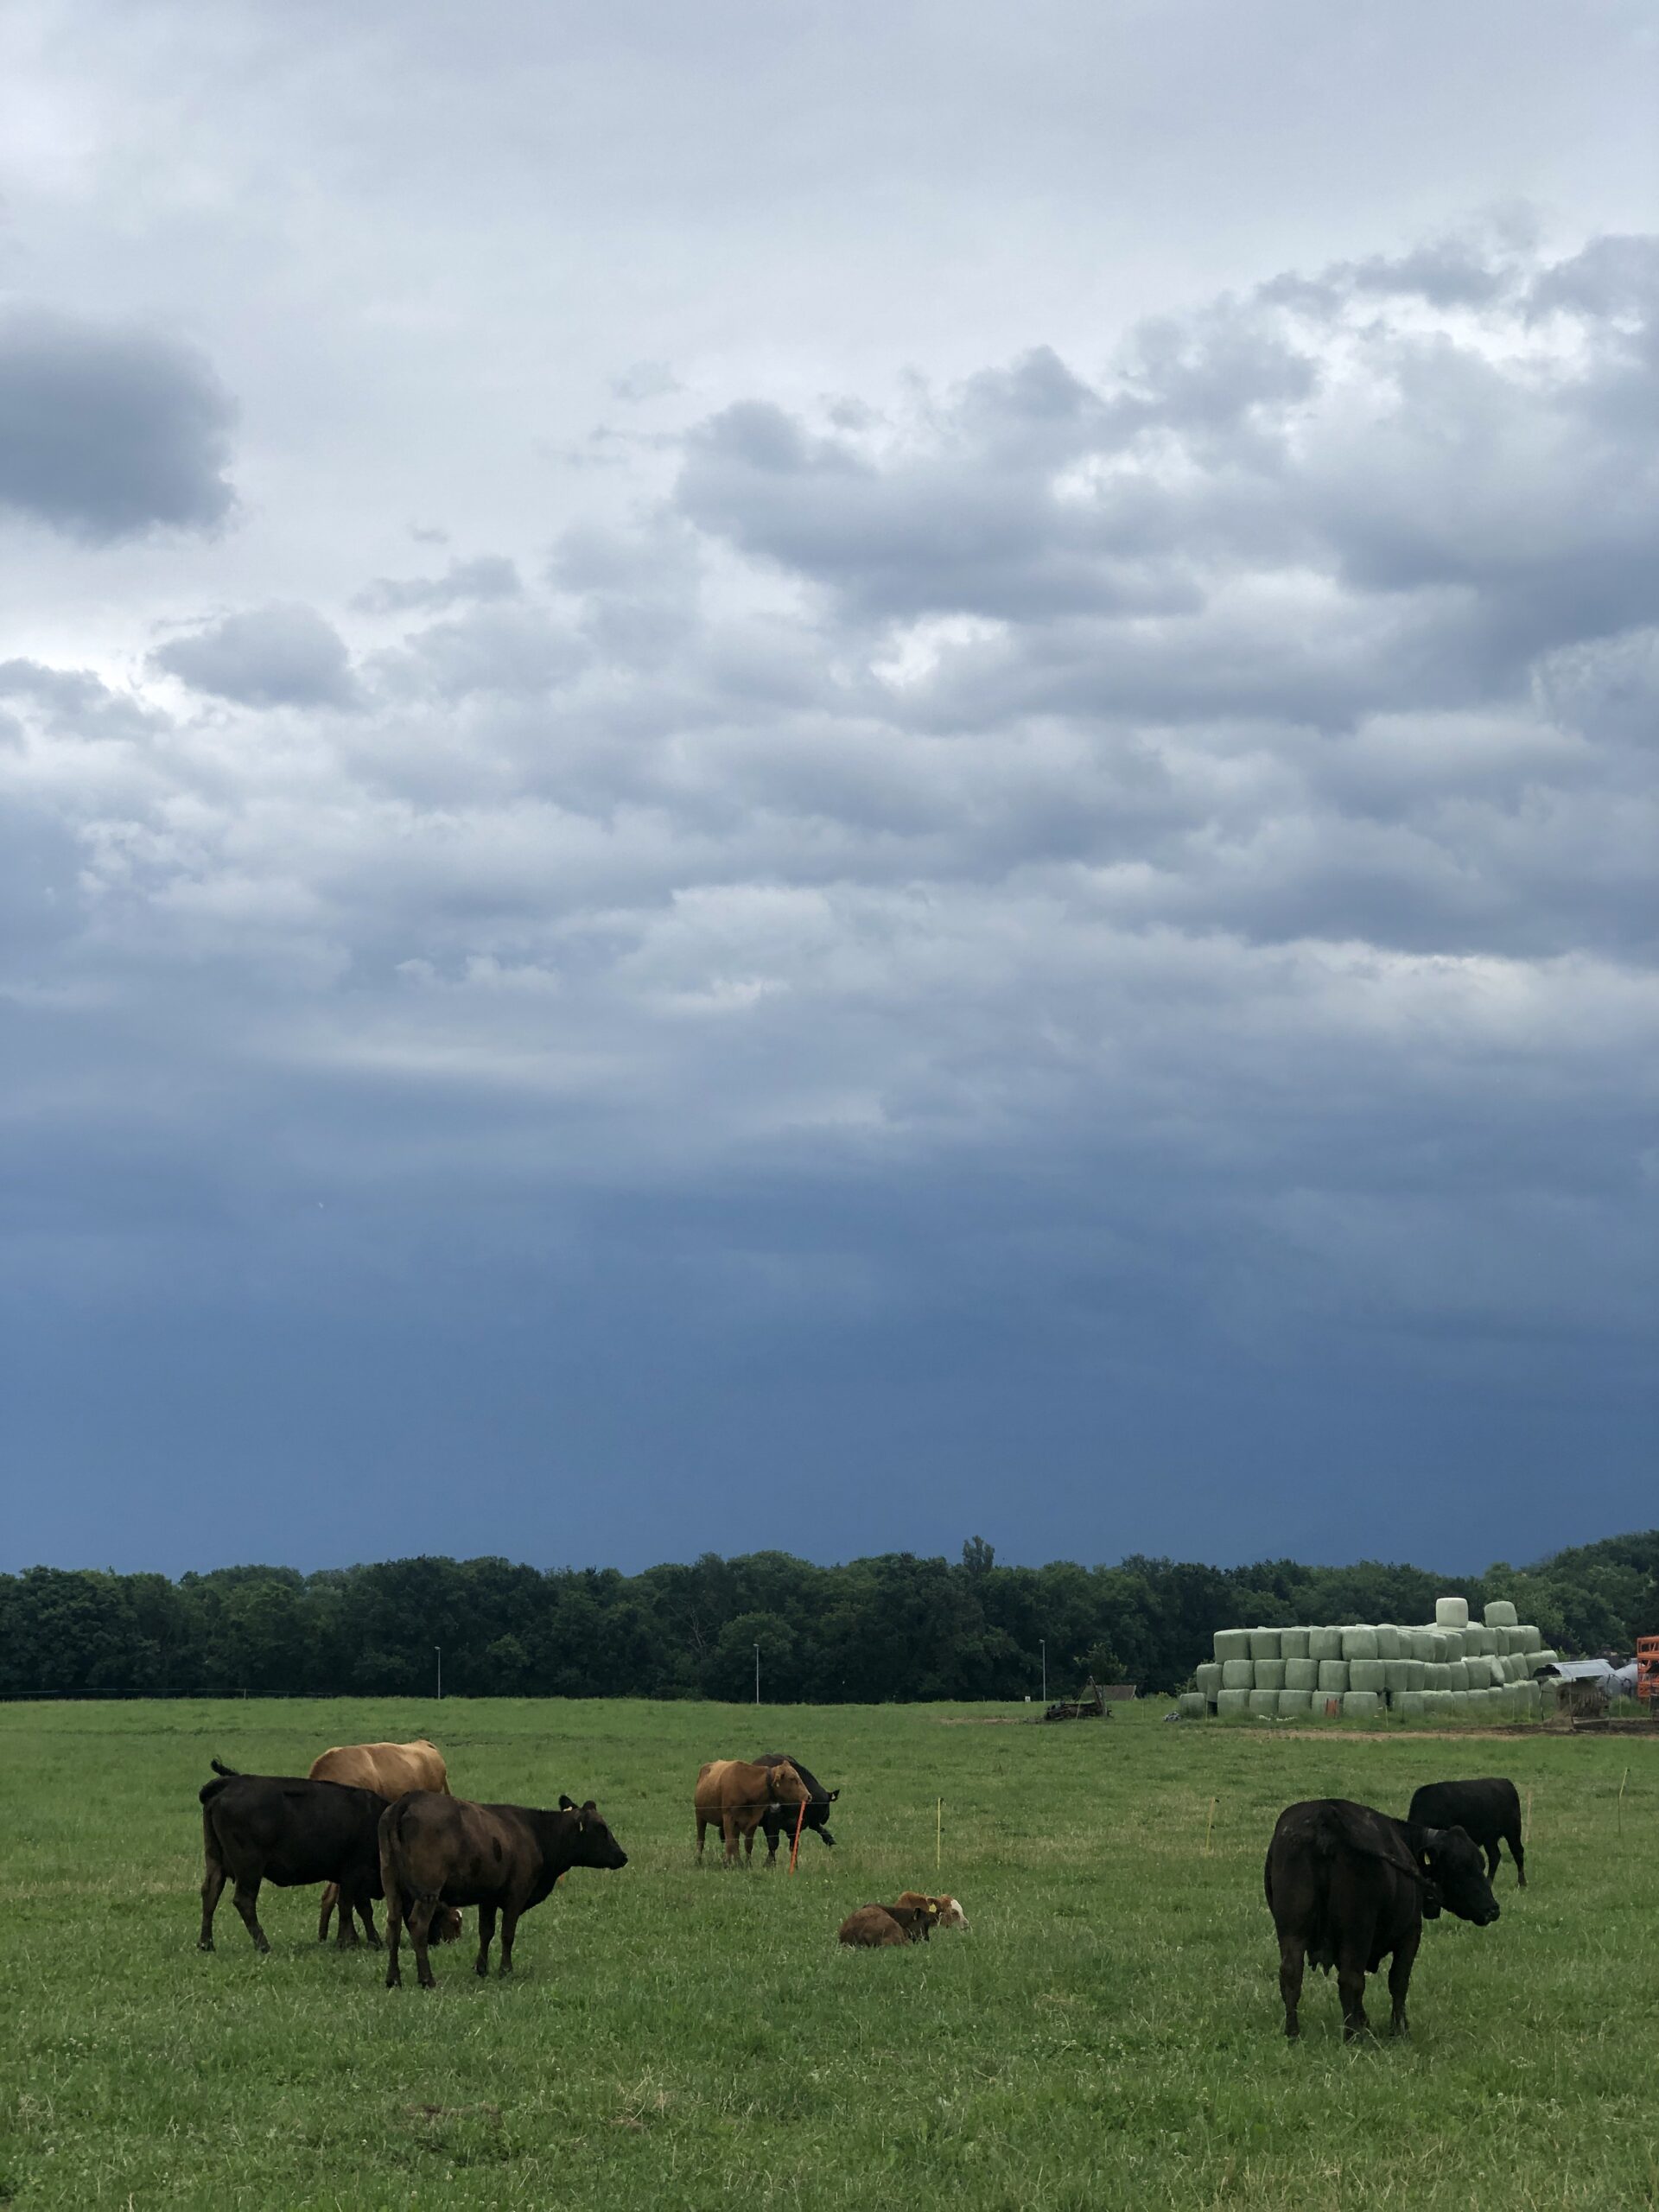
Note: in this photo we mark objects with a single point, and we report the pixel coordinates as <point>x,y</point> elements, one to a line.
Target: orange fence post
<point>795,1847</point>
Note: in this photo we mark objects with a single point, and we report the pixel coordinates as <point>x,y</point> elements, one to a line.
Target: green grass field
<point>1107,2033</point>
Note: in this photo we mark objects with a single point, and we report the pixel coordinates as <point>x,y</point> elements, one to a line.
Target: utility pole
<point>1043,1644</point>
<point>757,1673</point>
<point>438,1648</point>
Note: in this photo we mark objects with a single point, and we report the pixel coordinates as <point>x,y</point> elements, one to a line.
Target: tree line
<point>894,1628</point>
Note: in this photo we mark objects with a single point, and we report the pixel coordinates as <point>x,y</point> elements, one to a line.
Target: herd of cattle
<point>1348,1887</point>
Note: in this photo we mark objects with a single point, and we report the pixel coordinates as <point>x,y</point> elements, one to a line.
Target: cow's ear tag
<point>566,1804</point>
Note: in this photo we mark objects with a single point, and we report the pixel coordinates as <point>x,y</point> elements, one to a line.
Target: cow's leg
<point>701,1824</point>
<point>1405,1951</point>
<point>246,1901</point>
<point>330,1899</point>
<point>729,1829</point>
<point>419,1928</point>
<point>394,1927</point>
<point>486,1936</point>
<point>1351,1986</point>
<point>346,1939</point>
<point>509,1930</point>
<point>213,1882</point>
<point>1292,1953</point>
<point>1492,1860</point>
<point>1513,1839</point>
<point>748,1845</point>
<point>365,1914</point>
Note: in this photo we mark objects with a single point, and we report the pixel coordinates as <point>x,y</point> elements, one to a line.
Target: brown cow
<point>733,1795</point>
<point>391,1770</point>
<point>500,1857</point>
<point>949,1908</point>
<point>877,1927</point>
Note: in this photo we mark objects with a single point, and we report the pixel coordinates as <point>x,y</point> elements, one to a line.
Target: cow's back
<point>294,1830</point>
<point>872,1928</point>
<point>1485,1810</point>
<point>391,1770</point>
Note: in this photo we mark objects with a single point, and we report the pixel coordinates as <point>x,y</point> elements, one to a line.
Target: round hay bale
<point>1531,1639</point>
<point>1455,1646</point>
<point>1264,1643</point>
<point>1389,1645</point>
<point>1434,1703</point>
<point>1451,1612</point>
<point>1500,1642</point>
<point>1423,1643</point>
<point>1359,1643</point>
<point>1264,1701</point>
<point>1292,1642</point>
<point>1368,1674</point>
<point>1477,1640</point>
<point>1456,1677</point>
<point>1410,1705</point>
<point>1192,1705</point>
<point>1333,1675</point>
<point>1361,1705</point>
<point>1324,1643</point>
<point>1437,1650</point>
<point>1270,1674</point>
<point>1295,1703</point>
<point>1416,1673</point>
<point>1396,1676</point>
<point>1301,1673</point>
<point>1238,1675</point>
<point>1498,1612</point>
<point>1537,1661</point>
<point>1232,1643</point>
<point>1437,1675</point>
<point>1230,1703</point>
<point>1208,1676</point>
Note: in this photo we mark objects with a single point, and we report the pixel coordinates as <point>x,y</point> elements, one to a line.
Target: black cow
<point>780,1819</point>
<point>437,1852</point>
<point>1347,1886</point>
<point>1489,1812</point>
<point>261,1827</point>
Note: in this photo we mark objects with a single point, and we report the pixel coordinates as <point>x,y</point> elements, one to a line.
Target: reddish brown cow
<point>734,1795</point>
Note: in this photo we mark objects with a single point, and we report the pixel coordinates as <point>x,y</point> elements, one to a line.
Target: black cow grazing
<point>779,1820</point>
<point>1348,1887</point>
<point>1488,1812</point>
<point>258,1828</point>
<point>501,1858</point>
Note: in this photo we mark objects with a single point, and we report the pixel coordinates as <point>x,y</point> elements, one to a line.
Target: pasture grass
<point>1108,2032</point>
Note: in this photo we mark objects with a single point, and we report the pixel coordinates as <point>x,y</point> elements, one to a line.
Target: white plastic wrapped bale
<point>1438,1649</point>
<point>1423,1643</point>
<point>1359,1643</point>
<point>1270,1674</point>
<point>1477,1640</point>
<point>1301,1673</point>
<point>1532,1639</point>
<point>1367,1675</point>
<point>1498,1612</point>
<point>1208,1676</point>
<point>1333,1675</point>
<point>1232,1643</point>
<point>1264,1643</point>
<point>1409,1704</point>
<point>1500,1641</point>
<point>1361,1705</point>
<point>1537,1661</point>
<point>1324,1643</point>
<point>1232,1702</point>
<point>1435,1704</point>
<point>1295,1704</point>
<point>1396,1677</point>
<point>1292,1642</point>
<point>1389,1645</point>
<point>1416,1673</point>
<point>1451,1612</point>
<point>1238,1675</point>
<point>1192,1705</point>
<point>1457,1675</point>
<point>1453,1640</point>
<point>1437,1675</point>
<point>1264,1701</point>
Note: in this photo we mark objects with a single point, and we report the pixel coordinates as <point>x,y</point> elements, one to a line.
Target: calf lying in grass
<point>875,1927</point>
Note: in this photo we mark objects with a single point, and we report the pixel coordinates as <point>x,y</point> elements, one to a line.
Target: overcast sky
<point>825,777</point>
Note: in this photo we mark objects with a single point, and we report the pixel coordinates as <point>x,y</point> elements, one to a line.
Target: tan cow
<point>949,1908</point>
<point>391,1770</point>
<point>880,1927</point>
<point>732,1794</point>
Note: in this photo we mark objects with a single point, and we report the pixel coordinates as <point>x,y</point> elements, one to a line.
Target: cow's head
<point>595,1844</point>
<point>785,1786</point>
<point>445,1925</point>
<point>950,1913</point>
<point>1457,1876</point>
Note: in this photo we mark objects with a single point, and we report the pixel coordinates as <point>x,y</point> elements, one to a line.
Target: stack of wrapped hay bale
<point>1455,1667</point>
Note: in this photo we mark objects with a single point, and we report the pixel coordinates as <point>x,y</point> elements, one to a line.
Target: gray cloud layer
<point>1217,797</point>
<point>106,432</point>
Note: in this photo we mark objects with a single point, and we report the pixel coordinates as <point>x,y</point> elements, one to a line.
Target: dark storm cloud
<point>269,657</point>
<point>106,432</point>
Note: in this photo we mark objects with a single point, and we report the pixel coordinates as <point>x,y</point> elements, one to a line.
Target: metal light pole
<point>757,1673</point>
<point>1043,1645</point>
<point>438,1648</point>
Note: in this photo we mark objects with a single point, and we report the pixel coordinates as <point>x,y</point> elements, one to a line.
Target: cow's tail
<point>227,1772</point>
<point>209,1791</point>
